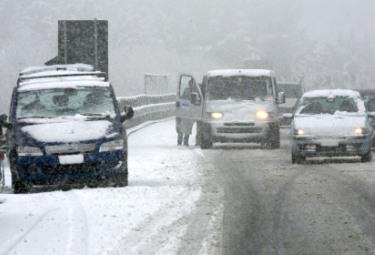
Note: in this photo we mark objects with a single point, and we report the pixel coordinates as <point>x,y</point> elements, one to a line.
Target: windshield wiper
<point>33,117</point>
<point>96,115</point>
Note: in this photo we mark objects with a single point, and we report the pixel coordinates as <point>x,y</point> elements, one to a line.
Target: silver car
<point>331,123</point>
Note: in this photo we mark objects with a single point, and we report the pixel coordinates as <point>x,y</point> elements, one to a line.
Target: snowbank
<point>150,216</point>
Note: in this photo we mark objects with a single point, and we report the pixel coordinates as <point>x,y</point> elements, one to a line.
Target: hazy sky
<point>325,17</point>
<point>169,36</point>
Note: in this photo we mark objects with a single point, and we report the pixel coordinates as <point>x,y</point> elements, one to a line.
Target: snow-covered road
<point>231,199</point>
<point>150,216</point>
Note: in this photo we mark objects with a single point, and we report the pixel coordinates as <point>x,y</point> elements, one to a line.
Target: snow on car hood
<point>69,131</point>
<point>242,110</point>
<point>330,125</point>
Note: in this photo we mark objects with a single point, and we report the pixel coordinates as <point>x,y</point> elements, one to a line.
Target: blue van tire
<point>20,187</point>
<point>120,179</point>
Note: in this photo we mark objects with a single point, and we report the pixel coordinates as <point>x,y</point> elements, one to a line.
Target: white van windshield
<point>52,103</point>
<point>238,88</point>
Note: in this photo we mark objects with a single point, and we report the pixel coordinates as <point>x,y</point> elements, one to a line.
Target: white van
<point>232,106</point>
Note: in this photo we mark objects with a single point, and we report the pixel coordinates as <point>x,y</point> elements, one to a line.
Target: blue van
<point>66,129</point>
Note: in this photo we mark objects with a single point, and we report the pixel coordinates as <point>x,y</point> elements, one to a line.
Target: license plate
<point>329,143</point>
<point>71,159</point>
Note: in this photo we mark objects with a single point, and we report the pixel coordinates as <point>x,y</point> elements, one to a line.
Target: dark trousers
<point>182,137</point>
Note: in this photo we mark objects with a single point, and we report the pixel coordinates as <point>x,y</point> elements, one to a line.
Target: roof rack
<point>69,67</point>
<point>96,73</point>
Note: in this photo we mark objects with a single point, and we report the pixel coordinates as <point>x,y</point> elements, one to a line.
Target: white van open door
<point>189,98</point>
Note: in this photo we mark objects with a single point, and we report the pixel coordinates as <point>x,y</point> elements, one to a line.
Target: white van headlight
<point>112,145</point>
<point>29,151</point>
<point>262,115</point>
<point>299,132</point>
<point>360,131</point>
<point>216,115</point>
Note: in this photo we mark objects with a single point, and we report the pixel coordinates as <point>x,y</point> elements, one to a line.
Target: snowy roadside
<point>150,216</point>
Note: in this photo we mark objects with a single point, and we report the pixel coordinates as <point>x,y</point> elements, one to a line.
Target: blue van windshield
<point>52,103</point>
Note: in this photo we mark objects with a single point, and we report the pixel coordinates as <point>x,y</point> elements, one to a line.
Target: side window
<point>187,87</point>
<point>204,85</point>
<point>371,105</point>
<point>13,104</point>
<point>274,87</point>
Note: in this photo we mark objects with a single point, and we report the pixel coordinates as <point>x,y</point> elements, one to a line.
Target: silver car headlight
<point>29,151</point>
<point>112,145</point>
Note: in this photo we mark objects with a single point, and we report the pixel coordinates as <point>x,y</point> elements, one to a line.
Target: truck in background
<point>292,91</point>
<point>82,41</point>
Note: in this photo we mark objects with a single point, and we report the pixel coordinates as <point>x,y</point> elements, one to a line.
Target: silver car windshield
<point>327,105</point>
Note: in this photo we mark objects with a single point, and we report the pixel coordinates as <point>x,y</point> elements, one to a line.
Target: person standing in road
<point>3,124</point>
<point>184,126</point>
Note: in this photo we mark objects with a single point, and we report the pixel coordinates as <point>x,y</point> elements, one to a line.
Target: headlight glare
<point>262,115</point>
<point>216,115</point>
<point>112,145</point>
<point>29,151</point>
<point>299,132</point>
<point>360,131</point>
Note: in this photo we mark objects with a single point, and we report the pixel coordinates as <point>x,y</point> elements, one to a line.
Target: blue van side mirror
<point>3,118</point>
<point>3,121</point>
<point>128,113</point>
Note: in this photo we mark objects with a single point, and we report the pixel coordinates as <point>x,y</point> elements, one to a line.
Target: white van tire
<point>273,138</point>
<point>367,157</point>
<point>206,142</point>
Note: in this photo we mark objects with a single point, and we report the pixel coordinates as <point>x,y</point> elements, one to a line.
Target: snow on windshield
<point>238,88</point>
<point>330,101</point>
<point>323,105</point>
<point>53,103</point>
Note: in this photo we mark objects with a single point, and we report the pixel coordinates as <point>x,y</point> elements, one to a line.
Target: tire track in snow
<point>156,230</point>
<point>360,195</point>
<point>20,238</point>
<point>259,217</point>
<point>198,236</point>
<point>279,215</point>
<point>78,232</point>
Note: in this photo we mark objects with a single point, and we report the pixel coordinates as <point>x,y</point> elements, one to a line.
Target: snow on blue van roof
<point>60,76</point>
<point>41,69</point>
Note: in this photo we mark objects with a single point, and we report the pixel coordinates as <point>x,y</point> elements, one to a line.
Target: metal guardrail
<point>149,107</point>
<point>155,107</point>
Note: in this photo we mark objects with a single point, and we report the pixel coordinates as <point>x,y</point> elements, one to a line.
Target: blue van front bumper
<point>46,169</point>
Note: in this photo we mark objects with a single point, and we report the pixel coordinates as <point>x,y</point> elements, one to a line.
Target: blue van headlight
<point>112,145</point>
<point>23,151</point>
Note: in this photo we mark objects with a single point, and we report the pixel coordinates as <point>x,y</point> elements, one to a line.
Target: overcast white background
<point>325,41</point>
